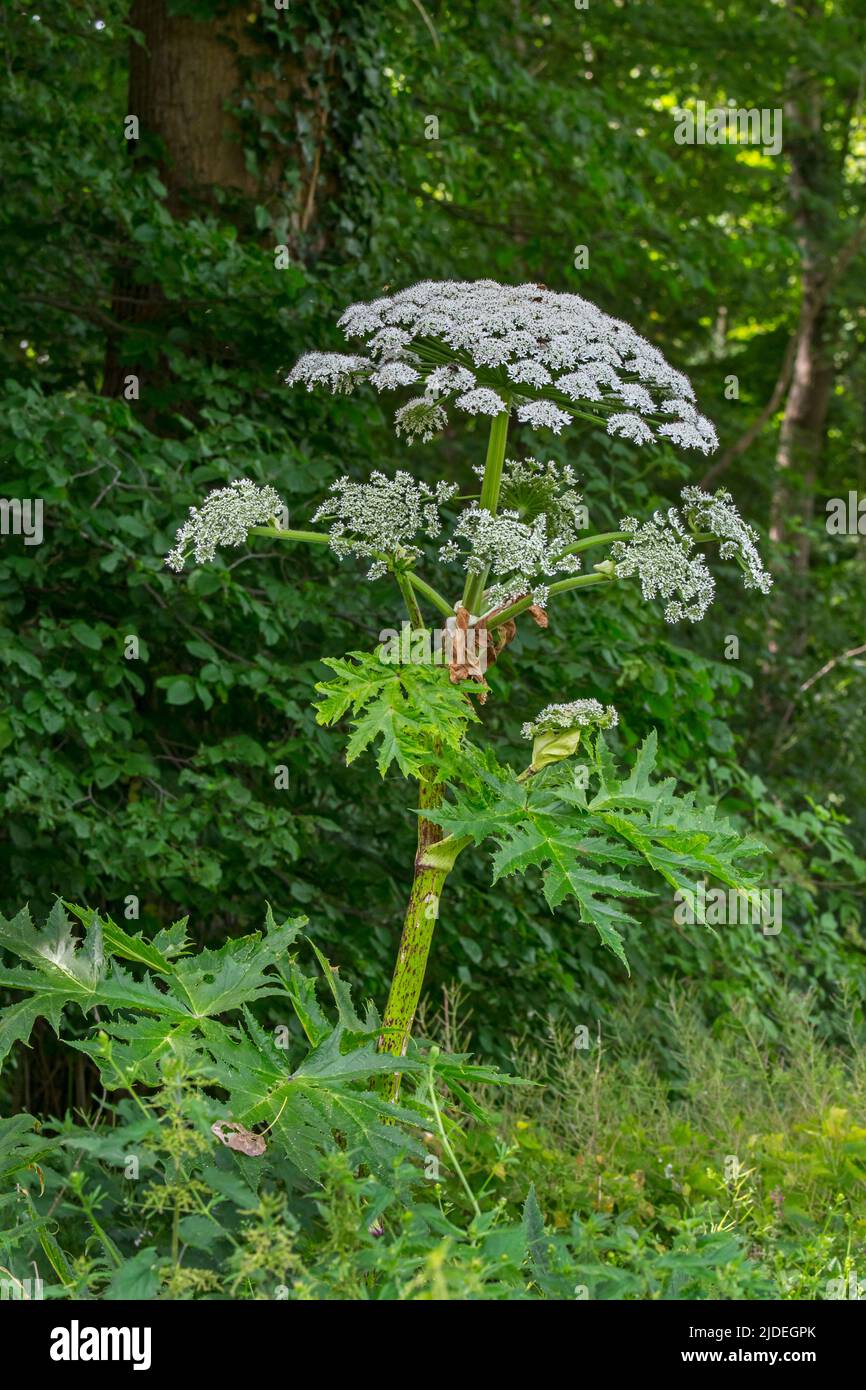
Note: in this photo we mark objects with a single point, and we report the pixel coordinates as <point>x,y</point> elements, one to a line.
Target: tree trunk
<point>187,78</point>
<point>801,438</point>
<point>180,79</point>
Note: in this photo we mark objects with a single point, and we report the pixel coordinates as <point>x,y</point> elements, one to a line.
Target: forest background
<point>285,162</point>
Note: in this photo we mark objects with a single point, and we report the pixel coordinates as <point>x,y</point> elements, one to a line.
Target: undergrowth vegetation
<point>727,1163</point>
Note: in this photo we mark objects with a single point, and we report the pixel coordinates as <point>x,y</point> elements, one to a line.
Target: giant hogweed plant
<point>518,546</point>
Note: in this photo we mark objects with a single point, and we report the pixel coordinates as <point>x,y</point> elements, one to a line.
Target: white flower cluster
<point>520,556</point>
<point>382,515</point>
<point>491,346</point>
<point>224,518</point>
<point>421,418</point>
<point>719,516</point>
<point>659,551</point>
<point>532,488</point>
<point>522,544</point>
<point>339,371</point>
<point>576,714</point>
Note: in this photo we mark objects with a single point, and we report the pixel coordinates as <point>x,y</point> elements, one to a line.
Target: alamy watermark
<point>849,1288</point>
<point>22,516</point>
<point>846,516</point>
<point>77,1343</point>
<point>730,125</point>
<point>437,647</point>
<point>22,1290</point>
<point>757,907</point>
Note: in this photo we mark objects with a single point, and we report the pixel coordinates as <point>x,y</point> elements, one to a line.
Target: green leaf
<point>533,1230</point>
<point>215,982</point>
<point>138,1278</point>
<point>576,841</point>
<point>86,635</point>
<point>20,1147</point>
<point>180,691</point>
<point>413,711</point>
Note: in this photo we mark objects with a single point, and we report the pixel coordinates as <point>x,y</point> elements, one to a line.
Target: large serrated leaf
<point>636,821</point>
<point>411,713</point>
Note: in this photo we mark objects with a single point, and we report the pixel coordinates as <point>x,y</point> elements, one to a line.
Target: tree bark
<point>180,79</point>
<point>800,447</point>
<point>186,80</point>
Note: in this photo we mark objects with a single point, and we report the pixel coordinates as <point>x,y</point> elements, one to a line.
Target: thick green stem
<point>433,863</point>
<point>473,591</point>
<point>280,534</point>
<point>409,598</point>
<point>427,591</point>
<point>603,538</point>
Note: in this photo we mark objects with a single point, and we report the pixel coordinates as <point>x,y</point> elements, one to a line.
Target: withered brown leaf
<point>243,1141</point>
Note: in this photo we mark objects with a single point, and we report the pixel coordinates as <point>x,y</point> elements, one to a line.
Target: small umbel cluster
<point>556,732</point>
<point>661,552</point>
<point>224,518</point>
<point>382,517</point>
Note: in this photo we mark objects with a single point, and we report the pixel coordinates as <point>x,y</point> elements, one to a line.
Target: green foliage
<point>153,776</point>
<point>552,823</point>
<point>147,782</point>
<point>417,713</point>
<point>176,1008</point>
<point>741,1180</point>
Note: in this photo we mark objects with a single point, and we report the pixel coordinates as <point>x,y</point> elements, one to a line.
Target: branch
<point>430,593</point>
<point>520,605</point>
<point>809,312</point>
<point>828,665</point>
<point>314,537</point>
<point>403,584</point>
<point>748,437</point>
<point>807,684</point>
<point>603,538</point>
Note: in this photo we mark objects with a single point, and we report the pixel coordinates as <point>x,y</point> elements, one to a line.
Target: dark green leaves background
<point>154,776</point>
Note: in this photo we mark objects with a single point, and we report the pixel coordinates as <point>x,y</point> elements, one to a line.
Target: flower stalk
<point>434,861</point>
<point>520,605</point>
<point>432,595</point>
<point>409,598</point>
<point>473,591</point>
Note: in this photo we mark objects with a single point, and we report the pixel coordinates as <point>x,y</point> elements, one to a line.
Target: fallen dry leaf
<point>243,1141</point>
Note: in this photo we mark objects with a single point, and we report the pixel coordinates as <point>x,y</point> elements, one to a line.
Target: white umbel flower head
<point>339,371</point>
<point>543,415</point>
<point>224,518</point>
<point>697,434</point>
<point>520,557</point>
<point>480,401</point>
<point>576,714</point>
<point>626,426</point>
<point>420,418</point>
<point>719,517</point>
<point>382,516</point>
<point>659,552</point>
<point>548,356</point>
